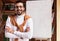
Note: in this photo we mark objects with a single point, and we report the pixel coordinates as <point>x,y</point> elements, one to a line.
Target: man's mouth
<point>19,10</point>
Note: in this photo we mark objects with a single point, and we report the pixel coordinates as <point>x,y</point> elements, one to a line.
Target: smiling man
<point>19,27</point>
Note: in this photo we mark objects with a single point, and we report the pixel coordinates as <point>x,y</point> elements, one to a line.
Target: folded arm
<point>28,34</point>
<point>9,35</point>
<point>29,30</point>
<point>8,30</point>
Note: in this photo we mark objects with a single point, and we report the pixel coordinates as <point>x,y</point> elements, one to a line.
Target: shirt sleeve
<point>8,23</point>
<point>28,34</point>
<point>7,34</point>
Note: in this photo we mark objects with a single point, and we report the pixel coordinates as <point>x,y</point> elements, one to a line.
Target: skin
<point>19,8</point>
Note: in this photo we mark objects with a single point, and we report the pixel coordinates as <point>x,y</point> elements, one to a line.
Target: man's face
<point>19,8</point>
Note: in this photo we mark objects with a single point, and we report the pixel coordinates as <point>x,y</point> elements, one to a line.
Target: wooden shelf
<point>8,12</point>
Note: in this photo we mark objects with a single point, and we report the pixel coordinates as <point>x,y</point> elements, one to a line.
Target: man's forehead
<point>19,4</point>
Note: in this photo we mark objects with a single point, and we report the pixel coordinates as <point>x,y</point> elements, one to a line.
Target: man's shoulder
<point>27,17</point>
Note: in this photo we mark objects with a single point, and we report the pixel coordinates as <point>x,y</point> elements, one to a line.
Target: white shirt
<point>17,34</point>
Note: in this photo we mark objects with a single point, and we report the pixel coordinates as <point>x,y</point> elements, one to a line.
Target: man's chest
<point>19,22</point>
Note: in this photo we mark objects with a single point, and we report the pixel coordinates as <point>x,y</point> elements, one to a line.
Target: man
<point>19,27</point>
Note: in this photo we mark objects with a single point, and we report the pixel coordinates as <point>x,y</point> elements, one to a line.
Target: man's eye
<point>18,6</point>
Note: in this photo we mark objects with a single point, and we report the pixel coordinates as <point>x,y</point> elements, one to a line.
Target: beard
<point>19,12</point>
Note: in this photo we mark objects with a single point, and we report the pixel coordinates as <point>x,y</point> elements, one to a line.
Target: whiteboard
<point>41,13</point>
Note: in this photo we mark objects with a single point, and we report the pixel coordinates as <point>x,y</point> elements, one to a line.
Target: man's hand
<point>9,30</point>
<point>27,29</point>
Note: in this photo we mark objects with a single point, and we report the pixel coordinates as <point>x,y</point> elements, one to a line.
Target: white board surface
<point>41,13</point>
